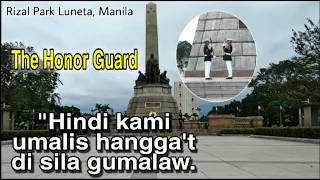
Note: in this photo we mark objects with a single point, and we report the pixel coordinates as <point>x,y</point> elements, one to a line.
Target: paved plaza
<point>218,157</point>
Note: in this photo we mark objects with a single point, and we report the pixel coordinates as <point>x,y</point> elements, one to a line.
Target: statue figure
<point>152,70</point>
<point>180,120</point>
<point>163,78</point>
<point>141,79</point>
<point>180,114</point>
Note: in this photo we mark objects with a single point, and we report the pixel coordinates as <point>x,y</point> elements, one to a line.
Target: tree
<point>102,108</point>
<point>286,83</point>
<point>25,90</point>
<point>54,100</point>
<point>105,108</point>
<point>203,119</point>
<point>290,81</point>
<point>98,107</point>
<point>183,51</point>
<point>307,62</point>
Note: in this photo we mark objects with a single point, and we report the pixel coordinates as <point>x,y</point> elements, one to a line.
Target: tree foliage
<point>25,90</point>
<point>102,108</point>
<point>183,50</point>
<point>286,83</point>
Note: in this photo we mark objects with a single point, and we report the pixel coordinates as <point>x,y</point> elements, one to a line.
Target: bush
<point>9,134</point>
<point>297,132</point>
<point>237,131</point>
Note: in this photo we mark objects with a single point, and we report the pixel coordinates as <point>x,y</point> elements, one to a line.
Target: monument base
<point>156,100</point>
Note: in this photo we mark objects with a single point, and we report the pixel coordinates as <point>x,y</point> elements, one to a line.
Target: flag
<point>111,111</point>
<point>260,108</point>
<point>32,112</point>
<point>92,111</point>
<point>238,109</point>
<point>198,109</point>
<point>282,109</point>
<point>216,108</point>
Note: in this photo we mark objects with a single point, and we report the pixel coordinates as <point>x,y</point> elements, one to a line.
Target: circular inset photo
<point>216,56</point>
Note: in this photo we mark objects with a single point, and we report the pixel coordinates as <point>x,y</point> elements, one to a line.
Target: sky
<point>271,24</point>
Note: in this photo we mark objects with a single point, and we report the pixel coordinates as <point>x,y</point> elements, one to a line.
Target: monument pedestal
<point>154,99</point>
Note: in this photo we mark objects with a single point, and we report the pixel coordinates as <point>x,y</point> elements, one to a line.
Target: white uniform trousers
<point>207,68</point>
<point>229,67</point>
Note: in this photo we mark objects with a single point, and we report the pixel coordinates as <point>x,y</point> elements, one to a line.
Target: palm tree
<point>102,108</point>
<point>105,108</point>
<point>98,107</point>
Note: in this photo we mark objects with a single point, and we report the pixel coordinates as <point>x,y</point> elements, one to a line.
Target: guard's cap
<point>229,39</point>
<point>206,41</point>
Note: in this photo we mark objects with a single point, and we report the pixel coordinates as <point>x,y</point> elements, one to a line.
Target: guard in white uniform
<point>207,59</point>
<point>227,48</point>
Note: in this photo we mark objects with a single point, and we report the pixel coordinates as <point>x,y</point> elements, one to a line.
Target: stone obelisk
<point>151,31</point>
<point>153,98</point>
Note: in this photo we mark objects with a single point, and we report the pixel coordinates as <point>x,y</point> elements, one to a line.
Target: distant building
<point>187,101</point>
<point>309,114</point>
<point>7,117</point>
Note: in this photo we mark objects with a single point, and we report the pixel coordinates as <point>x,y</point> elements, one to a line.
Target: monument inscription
<point>153,105</point>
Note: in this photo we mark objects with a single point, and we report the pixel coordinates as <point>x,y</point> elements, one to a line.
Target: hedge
<point>297,132</point>
<point>237,131</point>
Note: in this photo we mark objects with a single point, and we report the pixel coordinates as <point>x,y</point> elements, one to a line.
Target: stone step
<point>217,96</point>
<point>238,88</point>
<point>209,86</point>
<point>209,93</point>
<point>225,84</point>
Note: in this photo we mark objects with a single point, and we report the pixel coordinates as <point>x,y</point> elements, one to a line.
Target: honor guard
<point>207,59</point>
<point>227,49</point>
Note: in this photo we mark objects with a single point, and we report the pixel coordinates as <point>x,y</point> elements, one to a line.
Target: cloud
<point>269,22</point>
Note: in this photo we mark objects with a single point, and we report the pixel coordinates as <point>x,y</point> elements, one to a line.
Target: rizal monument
<point>152,92</point>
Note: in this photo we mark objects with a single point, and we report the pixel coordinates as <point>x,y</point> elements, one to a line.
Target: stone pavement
<point>217,89</point>
<point>217,157</point>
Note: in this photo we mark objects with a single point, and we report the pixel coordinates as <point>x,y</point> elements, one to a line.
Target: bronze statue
<point>180,120</point>
<point>163,78</point>
<point>141,79</point>
<point>152,70</point>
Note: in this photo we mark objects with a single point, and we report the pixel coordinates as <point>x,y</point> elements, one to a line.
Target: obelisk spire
<point>151,31</point>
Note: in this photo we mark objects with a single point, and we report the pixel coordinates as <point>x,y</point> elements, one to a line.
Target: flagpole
<point>33,122</point>
<point>237,112</point>
<point>32,119</point>
<point>258,111</point>
<point>280,117</point>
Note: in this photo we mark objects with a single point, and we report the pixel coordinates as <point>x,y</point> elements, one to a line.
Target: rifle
<point>211,43</point>
<point>223,45</point>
